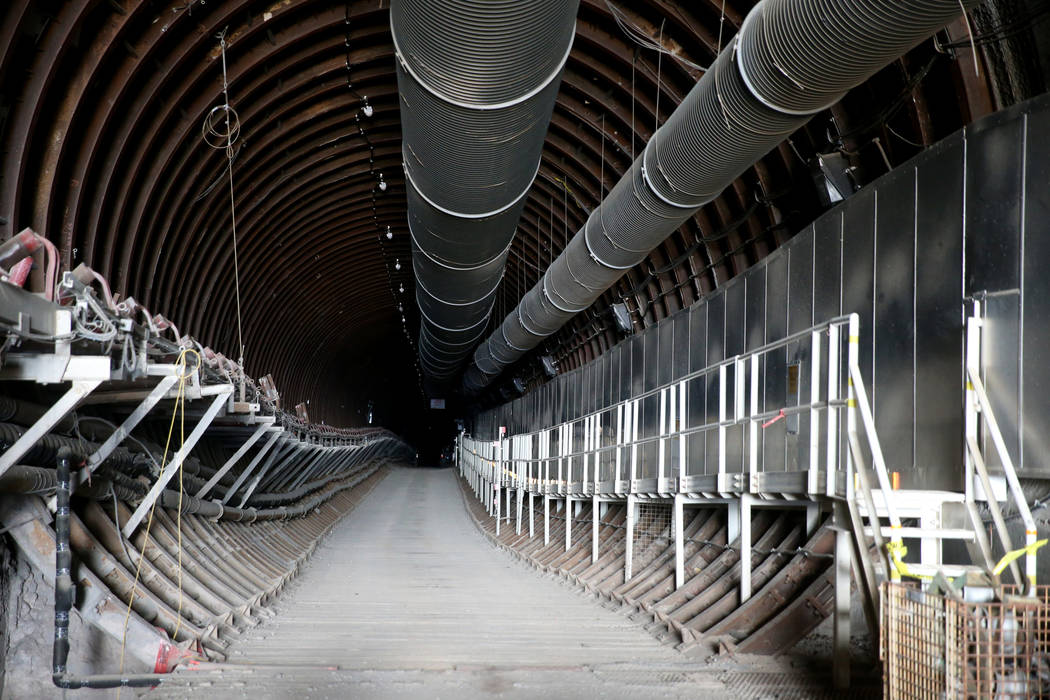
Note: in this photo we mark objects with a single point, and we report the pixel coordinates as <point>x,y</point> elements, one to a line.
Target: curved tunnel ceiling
<point>100,126</point>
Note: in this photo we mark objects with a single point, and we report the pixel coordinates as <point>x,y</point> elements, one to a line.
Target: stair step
<point>925,532</point>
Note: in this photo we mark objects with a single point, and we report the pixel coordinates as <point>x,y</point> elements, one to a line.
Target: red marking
<point>168,657</point>
<point>775,419</point>
<point>20,272</point>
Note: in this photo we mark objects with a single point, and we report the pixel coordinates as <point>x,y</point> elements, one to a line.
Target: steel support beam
<point>43,426</point>
<point>234,459</point>
<point>176,461</point>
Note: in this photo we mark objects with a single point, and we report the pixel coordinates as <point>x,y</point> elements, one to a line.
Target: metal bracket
<point>235,458</point>
<point>120,434</point>
<point>43,426</point>
<point>176,461</point>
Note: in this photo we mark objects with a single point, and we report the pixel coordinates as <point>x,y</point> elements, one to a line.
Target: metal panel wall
<point>970,217</point>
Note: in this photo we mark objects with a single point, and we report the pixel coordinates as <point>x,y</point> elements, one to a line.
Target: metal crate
<point>934,647</point>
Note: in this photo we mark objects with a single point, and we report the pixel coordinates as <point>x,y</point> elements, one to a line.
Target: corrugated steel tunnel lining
<point>121,189</point>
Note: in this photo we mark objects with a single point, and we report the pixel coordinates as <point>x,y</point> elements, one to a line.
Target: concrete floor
<point>406,599</point>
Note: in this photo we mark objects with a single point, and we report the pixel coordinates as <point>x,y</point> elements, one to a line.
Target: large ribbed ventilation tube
<point>790,60</point>
<point>477,81</point>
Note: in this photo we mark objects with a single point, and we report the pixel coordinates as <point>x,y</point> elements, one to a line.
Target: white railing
<point>606,453</point>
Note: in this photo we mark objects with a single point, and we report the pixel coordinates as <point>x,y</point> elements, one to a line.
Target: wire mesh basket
<point>934,647</point>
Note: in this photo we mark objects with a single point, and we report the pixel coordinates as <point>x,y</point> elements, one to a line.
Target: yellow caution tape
<point>897,552</point>
<point>1015,555</point>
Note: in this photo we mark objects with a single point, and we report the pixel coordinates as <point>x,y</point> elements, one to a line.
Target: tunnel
<point>524,348</point>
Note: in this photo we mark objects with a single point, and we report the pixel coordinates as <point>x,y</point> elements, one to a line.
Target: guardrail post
<point>594,531</point>
<point>568,522</point>
<point>629,542</point>
<point>679,547</point>
<point>745,548</point>
<point>840,668</point>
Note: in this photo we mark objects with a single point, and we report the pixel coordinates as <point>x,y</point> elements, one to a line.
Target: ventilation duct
<point>790,60</point>
<point>477,82</point>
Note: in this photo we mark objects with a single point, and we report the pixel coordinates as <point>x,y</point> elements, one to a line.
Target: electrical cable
<point>180,402</point>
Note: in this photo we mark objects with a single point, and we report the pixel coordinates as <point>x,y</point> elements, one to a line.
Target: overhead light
<point>382,183</point>
<point>367,108</point>
<point>622,318</point>
<point>401,288</point>
<point>389,234</point>
<point>550,367</point>
<point>397,264</point>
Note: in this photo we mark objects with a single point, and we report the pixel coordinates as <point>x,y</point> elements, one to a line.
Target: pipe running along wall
<point>477,83</point>
<point>790,60</point>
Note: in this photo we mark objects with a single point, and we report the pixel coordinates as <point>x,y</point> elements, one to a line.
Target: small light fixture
<point>397,264</point>
<point>389,234</point>
<point>401,288</point>
<point>382,183</point>
<point>367,108</point>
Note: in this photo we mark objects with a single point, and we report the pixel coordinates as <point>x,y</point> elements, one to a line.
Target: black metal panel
<point>827,267</point>
<point>939,319</point>
<point>716,324</point>
<point>755,307</point>
<point>993,208</point>
<point>858,271</point>
<point>891,391</point>
<point>696,396</point>
<point>698,335</point>
<point>598,386</point>
<point>637,365</point>
<point>651,345</point>
<point>586,388</point>
<point>1000,352</point>
<point>612,377</point>
<point>626,364</point>
<point>1036,387</point>
<point>736,316</point>
<point>665,329</point>
<point>680,359</point>
<point>774,370</point>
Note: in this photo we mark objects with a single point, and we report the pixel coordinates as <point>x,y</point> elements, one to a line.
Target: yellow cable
<point>179,399</point>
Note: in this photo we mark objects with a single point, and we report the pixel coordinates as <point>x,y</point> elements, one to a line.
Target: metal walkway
<point>407,599</point>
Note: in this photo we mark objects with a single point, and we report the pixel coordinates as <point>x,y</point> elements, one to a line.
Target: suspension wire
<point>721,23</point>
<point>233,212</point>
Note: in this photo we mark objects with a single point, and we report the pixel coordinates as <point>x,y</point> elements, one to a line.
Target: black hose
<point>790,60</point>
<point>478,82</point>
<point>64,594</point>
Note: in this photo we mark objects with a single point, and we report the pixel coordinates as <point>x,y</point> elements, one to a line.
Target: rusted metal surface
<point>937,645</point>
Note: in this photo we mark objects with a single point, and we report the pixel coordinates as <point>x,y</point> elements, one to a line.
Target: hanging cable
<point>223,137</point>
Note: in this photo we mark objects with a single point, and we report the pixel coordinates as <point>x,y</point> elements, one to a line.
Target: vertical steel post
<point>568,522</point>
<point>833,395</point>
<point>628,557</point>
<point>814,414</point>
<point>594,531</point>
<point>745,548</point>
<point>546,519</point>
<point>840,668</point>
<point>679,547</point>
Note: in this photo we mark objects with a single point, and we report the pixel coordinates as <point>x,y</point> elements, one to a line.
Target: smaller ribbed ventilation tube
<point>790,60</point>
<point>477,82</point>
